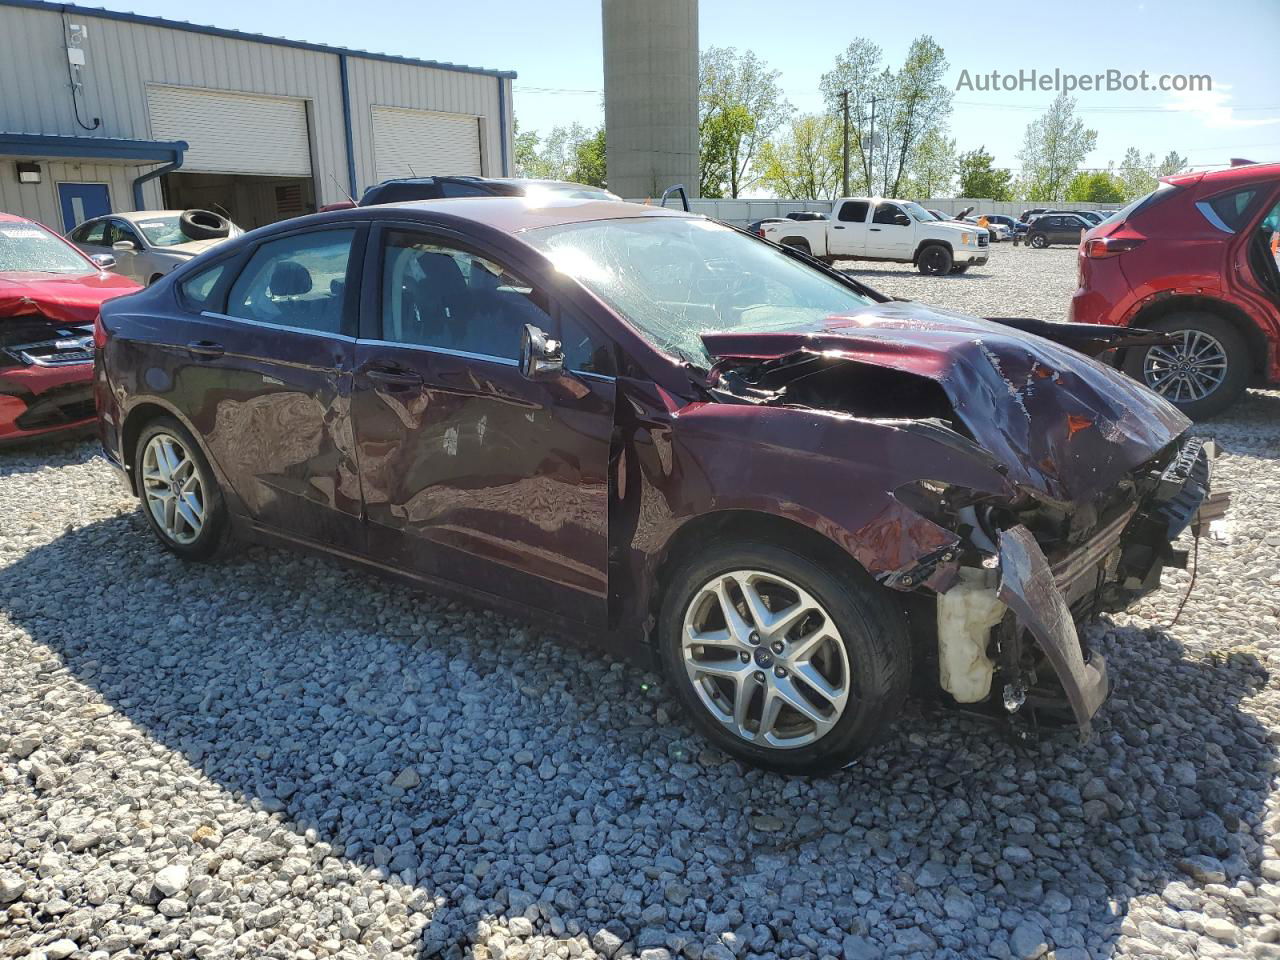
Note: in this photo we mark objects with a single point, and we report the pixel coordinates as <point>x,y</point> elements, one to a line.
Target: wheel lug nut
<point>753,638</point>
<point>777,646</point>
<point>746,657</point>
<point>779,672</point>
<point>759,676</point>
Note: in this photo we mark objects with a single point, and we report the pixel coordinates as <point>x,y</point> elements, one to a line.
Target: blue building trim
<point>353,188</point>
<point>502,125</point>
<point>91,148</point>
<point>243,35</point>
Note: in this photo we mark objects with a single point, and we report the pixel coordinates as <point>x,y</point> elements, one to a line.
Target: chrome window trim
<point>212,315</point>
<point>1211,215</point>
<point>482,357</point>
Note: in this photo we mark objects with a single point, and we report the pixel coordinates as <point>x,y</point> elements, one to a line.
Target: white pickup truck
<point>871,228</point>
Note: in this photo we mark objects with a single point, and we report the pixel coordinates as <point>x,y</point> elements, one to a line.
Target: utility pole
<point>844,100</point>
<point>869,153</point>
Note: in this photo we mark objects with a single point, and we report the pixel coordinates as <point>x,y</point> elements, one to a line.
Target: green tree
<point>804,161</point>
<point>980,178</point>
<point>1137,173</point>
<point>1053,148</point>
<point>740,106</point>
<point>859,71</point>
<point>589,160</point>
<point>1100,186</point>
<point>934,169</point>
<point>1173,162</point>
<point>909,103</point>
<point>526,152</point>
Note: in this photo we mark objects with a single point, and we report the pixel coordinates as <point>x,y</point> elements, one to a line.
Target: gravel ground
<point>276,756</point>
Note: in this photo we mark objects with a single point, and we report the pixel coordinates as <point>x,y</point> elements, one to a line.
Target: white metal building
<point>103,111</point>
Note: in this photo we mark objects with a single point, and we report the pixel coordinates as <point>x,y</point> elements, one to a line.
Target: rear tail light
<point>1100,248</point>
<point>99,332</point>
<point>760,232</point>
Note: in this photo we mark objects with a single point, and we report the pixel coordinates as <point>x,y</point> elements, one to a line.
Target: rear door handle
<point>395,376</point>
<point>206,349</point>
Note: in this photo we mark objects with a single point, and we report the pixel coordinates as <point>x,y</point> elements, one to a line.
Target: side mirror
<point>902,220</point>
<point>124,245</point>
<point>541,357</point>
<point>105,261</point>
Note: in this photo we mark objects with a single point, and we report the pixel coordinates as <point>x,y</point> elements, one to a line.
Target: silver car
<point>146,244</point>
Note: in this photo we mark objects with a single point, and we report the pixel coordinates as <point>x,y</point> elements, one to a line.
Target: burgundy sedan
<point>49,296</point>
<point>785,490</point>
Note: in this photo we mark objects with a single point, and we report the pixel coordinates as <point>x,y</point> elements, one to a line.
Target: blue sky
<point>555,48</point>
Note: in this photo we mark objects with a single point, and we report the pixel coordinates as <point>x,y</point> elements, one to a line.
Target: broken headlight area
<point>1031,571</point>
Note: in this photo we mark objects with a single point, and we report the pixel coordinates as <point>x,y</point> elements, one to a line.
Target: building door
<point>423,143</point>
<point>81,202</point>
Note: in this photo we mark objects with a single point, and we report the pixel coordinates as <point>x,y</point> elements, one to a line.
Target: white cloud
<point>1214,110</point>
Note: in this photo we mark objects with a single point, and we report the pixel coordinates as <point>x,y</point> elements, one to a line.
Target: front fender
<point>832,473</point>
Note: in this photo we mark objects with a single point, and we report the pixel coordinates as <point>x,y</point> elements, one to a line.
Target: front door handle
<point>874,229</point>
<point>837,227</point>
<point>395,376</point>
<point>206,349</point>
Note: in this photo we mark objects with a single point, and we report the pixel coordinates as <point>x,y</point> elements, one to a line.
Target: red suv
<point>1197,258</point>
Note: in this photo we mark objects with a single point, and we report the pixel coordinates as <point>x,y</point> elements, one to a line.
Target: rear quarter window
<point>1229,212</point>
<point>205,290</point>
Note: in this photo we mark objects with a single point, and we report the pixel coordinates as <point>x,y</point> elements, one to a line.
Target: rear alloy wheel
<point>179,494</point>
<point>934,260</point>
<point>1039,241</point>
<point>780,662</point>
<point>1203,372</point>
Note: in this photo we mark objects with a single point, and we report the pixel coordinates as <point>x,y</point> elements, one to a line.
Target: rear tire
<point>179,491</point>
<point>1039,241</point>
<point>1208,341</point>
<point>861,653</point>
<point>934,260</point>
<point>797,244</point>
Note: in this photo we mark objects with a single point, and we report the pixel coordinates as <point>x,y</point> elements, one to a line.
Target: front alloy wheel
<point>791,661</point>
<point>766,659</point>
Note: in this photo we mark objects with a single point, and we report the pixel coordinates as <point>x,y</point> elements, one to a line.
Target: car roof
<point>516,214</point>
<point>1243,173</point>
<point>13,218</point>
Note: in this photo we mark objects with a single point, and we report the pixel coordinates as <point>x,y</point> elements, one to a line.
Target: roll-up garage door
<point>233,132</point>
<point>421,143</point>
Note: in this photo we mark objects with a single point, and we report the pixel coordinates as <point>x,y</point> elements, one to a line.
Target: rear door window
<point>298,281</point>
<point>1229,212</point>
<point>854,211</point>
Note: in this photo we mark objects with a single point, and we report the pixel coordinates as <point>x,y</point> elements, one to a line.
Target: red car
<point>50,293</point>
<point>788,491</point>
<point>1195,258</point>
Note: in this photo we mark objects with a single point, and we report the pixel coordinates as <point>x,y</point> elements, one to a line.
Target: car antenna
<point>338,183</point>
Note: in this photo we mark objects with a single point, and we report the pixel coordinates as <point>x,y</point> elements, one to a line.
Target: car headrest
<point>290,279</point>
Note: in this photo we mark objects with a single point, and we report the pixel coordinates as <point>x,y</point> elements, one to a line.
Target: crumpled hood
<point>63,299</point>
<point>1063,424</point>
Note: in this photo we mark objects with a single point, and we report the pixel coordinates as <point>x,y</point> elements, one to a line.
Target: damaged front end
<point>45,376</point>
<point>1100,478</point>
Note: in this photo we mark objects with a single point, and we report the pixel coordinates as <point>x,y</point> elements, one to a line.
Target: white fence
<point>742,212</point>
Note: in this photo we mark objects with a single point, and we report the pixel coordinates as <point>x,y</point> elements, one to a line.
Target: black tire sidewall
<point>1222,330</point>
<point>1039,242</point>
<point>199,231</point>
<point>927,255</point>
<point>868,625</point>
<point>213,534</point>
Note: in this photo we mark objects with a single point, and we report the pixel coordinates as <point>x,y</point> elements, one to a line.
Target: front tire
<point>783,662</point>
<point>935,260</point>
<point>179,492</point>
<point>1204,373</point>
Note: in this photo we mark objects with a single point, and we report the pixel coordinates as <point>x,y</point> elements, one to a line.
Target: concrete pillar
<point>651,95</point>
